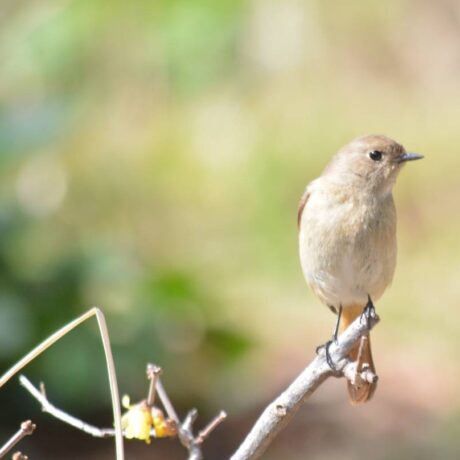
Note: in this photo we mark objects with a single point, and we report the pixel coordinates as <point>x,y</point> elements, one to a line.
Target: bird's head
<point>370,162</point>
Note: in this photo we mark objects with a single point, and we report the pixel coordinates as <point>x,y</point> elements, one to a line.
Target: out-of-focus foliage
<point>151,157</point>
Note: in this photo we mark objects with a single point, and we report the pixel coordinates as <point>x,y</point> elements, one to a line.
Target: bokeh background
<point>152,154</point>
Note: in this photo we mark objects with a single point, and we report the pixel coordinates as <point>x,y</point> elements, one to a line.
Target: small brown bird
<point>347,233</point>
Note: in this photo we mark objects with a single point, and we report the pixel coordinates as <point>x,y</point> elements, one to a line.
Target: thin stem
<point>153,374</point>
<point>210,427</point>
<point>26,429</point>
<point>172,414</point>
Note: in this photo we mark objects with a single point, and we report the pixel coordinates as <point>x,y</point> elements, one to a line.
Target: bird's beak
<point>409,157</point>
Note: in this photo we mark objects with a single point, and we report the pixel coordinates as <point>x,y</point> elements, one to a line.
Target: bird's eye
<point>375,155</point>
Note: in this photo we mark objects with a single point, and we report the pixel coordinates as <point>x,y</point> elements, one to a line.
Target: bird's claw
<point>369,312</point>
<point>326,347</point>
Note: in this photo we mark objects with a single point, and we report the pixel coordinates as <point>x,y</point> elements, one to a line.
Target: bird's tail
<point>358,393</point>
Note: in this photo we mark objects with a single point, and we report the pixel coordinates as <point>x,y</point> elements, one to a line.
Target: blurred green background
<point>152,154</point>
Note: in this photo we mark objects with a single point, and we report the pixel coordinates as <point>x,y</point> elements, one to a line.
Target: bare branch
<point>49,408</point>
<point>280,411</point>
<point>26,429</point>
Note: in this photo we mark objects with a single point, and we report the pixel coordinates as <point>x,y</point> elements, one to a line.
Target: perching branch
<point>280,411</point>
<point>26,429</point>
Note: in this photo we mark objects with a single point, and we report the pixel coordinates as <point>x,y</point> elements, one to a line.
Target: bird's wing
<point>302,203</point>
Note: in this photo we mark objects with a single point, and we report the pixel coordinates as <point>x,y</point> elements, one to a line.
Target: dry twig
<point>26,429</point>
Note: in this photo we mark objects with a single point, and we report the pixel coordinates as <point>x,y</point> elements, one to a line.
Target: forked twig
<point>192,443</point>
<point>185,429</point>
<point>51,409</point>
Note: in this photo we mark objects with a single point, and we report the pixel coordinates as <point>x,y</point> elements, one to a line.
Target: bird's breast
<point>347,246</point>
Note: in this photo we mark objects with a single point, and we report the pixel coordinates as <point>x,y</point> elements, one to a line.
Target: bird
<point>347,235</point>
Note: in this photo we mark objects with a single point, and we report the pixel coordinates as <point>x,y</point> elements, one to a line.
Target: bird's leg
<point>369,311</point>
<point>328,355</point>
<point>326,346</point>
<point>337,324</point>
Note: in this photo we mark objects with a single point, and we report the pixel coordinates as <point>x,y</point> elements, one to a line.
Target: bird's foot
<point>369,312</point>
<point>326,347</point>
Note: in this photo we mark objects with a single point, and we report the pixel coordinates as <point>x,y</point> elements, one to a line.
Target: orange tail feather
<point>362,392</point>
